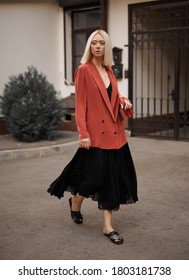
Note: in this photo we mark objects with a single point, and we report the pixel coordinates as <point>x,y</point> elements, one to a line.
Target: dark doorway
<point>159,72</point>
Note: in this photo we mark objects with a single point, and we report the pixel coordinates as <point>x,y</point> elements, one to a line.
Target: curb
<point>41,152</point>
<point>38,152</point>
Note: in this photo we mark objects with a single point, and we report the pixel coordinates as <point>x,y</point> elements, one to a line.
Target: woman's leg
<point>107,222</point>
<point>108,230</point>
<point>75,206</point>
<point>76,202</point>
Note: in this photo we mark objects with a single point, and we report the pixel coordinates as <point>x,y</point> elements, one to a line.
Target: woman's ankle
<point>107,229</point>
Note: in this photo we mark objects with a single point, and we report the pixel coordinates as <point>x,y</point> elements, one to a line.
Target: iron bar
<point>159,46</point>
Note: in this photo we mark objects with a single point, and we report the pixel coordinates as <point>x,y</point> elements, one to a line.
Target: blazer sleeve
<point>81,103</point>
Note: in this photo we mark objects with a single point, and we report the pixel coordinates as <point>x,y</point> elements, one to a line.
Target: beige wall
<point>31,33</point>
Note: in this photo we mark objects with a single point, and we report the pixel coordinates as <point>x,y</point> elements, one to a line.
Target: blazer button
<point>103,132</point>
<point>102,121</point>
<point>115,132</point>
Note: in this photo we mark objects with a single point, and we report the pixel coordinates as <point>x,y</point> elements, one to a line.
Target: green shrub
<point>31,107</point>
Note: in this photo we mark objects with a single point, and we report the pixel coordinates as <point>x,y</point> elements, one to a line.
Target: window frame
<point>68,24</point>
<point>86,31</point>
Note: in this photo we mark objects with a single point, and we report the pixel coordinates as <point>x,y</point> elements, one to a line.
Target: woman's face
<point>98,46</point>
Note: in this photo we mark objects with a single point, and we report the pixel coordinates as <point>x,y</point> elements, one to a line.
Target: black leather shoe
<point>115,237</point>
<point>76,215</point>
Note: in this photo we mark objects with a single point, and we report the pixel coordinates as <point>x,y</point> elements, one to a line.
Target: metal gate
<point>159,68</point>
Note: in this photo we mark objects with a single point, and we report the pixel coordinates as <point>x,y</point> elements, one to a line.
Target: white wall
<point>31,33</point>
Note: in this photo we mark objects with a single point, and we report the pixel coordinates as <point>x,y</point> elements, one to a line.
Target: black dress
<point>106,176</point>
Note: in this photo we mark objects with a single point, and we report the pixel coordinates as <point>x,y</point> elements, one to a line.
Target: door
<point>159,75</point>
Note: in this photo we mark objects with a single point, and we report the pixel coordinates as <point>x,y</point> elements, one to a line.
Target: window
<point>84,23</point>
<point>79,24</point>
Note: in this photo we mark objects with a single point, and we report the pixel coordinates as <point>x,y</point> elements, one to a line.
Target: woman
<point>102,167</point>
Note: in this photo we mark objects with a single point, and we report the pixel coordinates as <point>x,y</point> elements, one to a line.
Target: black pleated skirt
<point>106,176</point>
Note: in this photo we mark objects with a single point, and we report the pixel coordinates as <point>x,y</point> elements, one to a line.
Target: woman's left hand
<point>127,104</point>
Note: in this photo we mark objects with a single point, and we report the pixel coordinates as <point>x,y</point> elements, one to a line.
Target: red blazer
<point>96,117</point>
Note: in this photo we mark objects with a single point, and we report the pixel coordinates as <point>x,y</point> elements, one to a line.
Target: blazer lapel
<point>102,88</point>
<point>114,97</point>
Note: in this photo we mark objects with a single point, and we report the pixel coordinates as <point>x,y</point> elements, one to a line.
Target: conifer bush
<point>31,107</point>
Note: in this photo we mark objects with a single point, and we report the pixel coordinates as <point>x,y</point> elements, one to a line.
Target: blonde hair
<point>108,56</point>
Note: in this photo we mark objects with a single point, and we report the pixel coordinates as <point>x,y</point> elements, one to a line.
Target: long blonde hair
<point>108,56</point>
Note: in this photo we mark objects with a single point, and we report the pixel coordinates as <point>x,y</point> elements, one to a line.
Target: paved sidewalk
<point>35,225</point>
<point>11,148</point>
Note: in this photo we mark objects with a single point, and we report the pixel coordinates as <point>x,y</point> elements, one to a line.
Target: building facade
<point>150,46</point>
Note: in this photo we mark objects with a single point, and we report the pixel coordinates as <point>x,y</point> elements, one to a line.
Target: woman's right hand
<point>85,143</point>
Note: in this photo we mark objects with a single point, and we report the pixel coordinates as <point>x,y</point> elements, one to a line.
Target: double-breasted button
<point>102,121</point>
<point>103,132</point>
<point>115,132</point>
